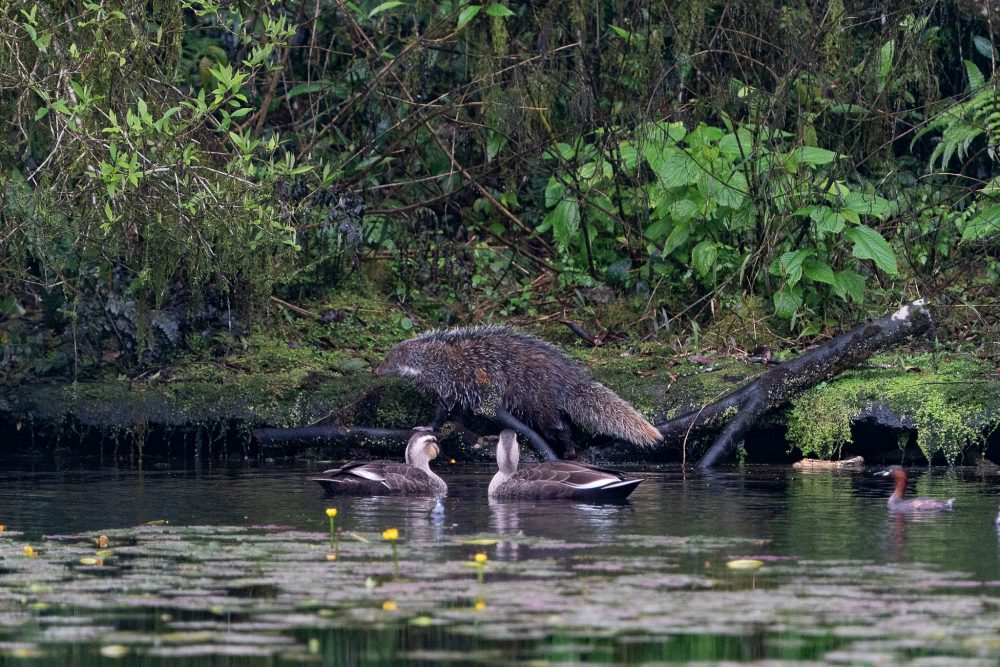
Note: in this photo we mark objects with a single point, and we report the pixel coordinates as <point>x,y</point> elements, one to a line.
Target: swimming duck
<point>554,479</point>
<point>899,504</point>
<point>382,478</point>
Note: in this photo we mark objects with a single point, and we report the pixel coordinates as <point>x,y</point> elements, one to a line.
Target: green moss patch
<point>953,405</point>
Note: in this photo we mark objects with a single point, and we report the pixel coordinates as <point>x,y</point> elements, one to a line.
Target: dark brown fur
<point>489,367</point>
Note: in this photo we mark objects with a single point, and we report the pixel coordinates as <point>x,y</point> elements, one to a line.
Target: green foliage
<point>702,217</point>
<point>500,156</point>
<point>963,122</point>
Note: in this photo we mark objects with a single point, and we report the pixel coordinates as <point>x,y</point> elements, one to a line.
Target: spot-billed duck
<point>554,479</point>
<point>381,478</point>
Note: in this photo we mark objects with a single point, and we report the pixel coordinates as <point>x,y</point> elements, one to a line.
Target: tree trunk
<point>776,386</point>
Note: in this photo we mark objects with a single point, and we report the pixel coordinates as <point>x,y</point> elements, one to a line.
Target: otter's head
<point>400,362</point>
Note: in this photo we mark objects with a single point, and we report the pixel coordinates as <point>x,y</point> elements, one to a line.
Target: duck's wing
<point>406,479</point>
<point>357,479</point>
<point>561,484</point>
<point>366,470</point>
<point>573,475</point>
<point>573,466</point>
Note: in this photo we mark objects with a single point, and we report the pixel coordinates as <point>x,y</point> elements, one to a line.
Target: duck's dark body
<point>382,478</point>
<point>377,478</point>
<point>554,480</point>
<point>567,481</point>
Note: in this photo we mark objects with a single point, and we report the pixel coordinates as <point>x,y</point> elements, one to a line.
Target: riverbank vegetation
<point>181,180</point>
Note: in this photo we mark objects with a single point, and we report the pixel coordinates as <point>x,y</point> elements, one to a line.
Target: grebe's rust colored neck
<point>899,475</point>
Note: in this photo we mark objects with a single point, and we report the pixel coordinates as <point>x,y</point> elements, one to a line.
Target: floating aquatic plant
<point>480,563</point>
<point>390,605</point>
<point>29,551</point>
<point>744,564</point>
<point>392,534</point>
<point>334,542</point>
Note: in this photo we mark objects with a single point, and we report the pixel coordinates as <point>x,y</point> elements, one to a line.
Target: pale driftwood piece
<point>853,463</point>
<point>776,386</point>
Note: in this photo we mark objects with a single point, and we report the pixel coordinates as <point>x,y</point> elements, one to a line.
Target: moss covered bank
<point>943,409</point>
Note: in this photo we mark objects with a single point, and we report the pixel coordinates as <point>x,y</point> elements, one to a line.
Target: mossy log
<point>327,434</point>
<point>776,386</point>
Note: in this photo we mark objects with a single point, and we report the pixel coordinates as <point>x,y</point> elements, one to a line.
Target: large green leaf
<point>869,244</point>
<point>866,204</point>
<point>385,6</point>
<point>498,10</point>
<point>554,192</point>
<point>819,271</point>
<point>885,62</point>
<point>703,257</point>
<point>467,15</point>
<point>811,155</point>
<point>673,167</point>
<point>849,284</point>
<point>827,220</point>
<point>787,301</point>
<point>565,222</point>
<point>678,237</point>
<point>683,210</point>
<point>982,226</point>
<point>732,193</point>
<point>789,265</point>
<point>985,47</point>
<point>737,145</point>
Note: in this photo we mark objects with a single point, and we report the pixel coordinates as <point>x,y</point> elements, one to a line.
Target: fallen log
<point>328,434</point>
<point>779,384</point>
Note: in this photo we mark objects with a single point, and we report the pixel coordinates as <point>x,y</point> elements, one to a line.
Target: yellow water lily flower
<point>480,558</point>
<point>29,552</point>
<point>390,605</point>
<point>331,512</point>
<point>391,534</point>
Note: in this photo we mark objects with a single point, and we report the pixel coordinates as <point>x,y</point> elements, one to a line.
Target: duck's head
<point>422,448</point>
<point>508,452</point>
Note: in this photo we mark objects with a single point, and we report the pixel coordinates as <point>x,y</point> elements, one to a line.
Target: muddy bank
<point>946,410</point>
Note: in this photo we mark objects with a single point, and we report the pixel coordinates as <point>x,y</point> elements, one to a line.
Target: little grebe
<point>899,504</point>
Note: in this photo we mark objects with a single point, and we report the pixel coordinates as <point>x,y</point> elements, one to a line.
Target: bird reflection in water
<point>417,518</point>
<point>554,519</point>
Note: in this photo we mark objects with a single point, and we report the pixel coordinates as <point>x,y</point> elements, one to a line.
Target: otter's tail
<point>599,409</point>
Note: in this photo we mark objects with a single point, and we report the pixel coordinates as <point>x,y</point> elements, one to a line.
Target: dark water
<point>843,580</point>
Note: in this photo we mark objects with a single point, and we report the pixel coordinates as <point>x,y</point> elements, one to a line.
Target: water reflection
<point>810,515</point>
<point>572,582</point>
